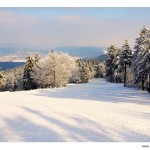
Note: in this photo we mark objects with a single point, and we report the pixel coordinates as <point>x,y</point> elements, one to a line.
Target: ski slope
<point>94,112</point>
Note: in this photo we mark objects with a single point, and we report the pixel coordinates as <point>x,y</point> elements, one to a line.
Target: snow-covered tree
<point>111,62</point>
<point>27,77</point>
<point>55,70</point>
<point>36,59</point>
<point>100,70</point>
<point>141,59</point>
<point>84,70</point>
<point>90,64</point>
<point>2,82</point>
<point>1,78</point>
<point>13,79</point>
<point>66,69</point>
<point>124,61</point>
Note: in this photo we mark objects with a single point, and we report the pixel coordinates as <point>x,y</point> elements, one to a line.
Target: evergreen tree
<point>141,59</point>
<point>1,78</point>
<point>1,81</point>
<point>99,70</point>
<point>111,62</point>
<point>27,75</point>
<point>90,64</point>
<point>36,59</point>
<point>84,74</point>
<point>84,71</point>
<point>147,70</point>
<point>125,60</point>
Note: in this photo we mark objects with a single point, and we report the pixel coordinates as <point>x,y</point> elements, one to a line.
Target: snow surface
<point>97,111</point>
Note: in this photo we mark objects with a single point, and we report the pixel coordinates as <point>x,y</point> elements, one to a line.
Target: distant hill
<point>10,65</point>
<point>21,50</point>
<point>14,55</point>
<point>102,57</point>
<point>84,52</point>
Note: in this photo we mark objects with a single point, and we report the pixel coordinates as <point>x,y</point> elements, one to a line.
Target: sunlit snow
<point>97,111</point>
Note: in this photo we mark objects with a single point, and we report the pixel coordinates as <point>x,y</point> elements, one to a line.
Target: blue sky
<point>97,12</point>
<point>52,27</point>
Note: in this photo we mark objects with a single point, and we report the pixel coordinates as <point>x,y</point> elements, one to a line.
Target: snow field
<point>97,111</point>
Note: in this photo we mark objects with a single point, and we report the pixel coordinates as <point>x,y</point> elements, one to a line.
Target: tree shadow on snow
<point>85,130</point>
<point>28,131</point>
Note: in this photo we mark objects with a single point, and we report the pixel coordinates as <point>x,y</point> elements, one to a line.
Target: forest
<point>130,66</point>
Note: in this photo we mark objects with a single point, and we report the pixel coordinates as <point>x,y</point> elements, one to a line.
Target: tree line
<point>55,70</point>
<point>122,65</point>
<point>131,67</point>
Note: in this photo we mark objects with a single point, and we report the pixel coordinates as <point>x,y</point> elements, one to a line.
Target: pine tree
<point>99,70</point>
<point>84,74</point>
<point>147,70</point>
<point>1,81</point>
<point>84,71</point>
<point>36,59</point>
<point>141,59</point>
<point>111,62</point>
<point>125,60</point>
<point>1,78</point>
<point>91,67</point>
<point>27,75</point>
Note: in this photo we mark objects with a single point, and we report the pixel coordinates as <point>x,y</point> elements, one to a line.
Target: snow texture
<point>97,111</point>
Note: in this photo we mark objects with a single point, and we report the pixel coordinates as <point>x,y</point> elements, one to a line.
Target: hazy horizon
<point>25,29</point>
<point>58,27</point>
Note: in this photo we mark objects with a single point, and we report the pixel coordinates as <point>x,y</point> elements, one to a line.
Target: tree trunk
<point>143,83</point>
<point>54,84</point>
<point>125,70</point>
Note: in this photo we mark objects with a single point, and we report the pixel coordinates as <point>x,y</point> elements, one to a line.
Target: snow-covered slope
<point>97,111</point>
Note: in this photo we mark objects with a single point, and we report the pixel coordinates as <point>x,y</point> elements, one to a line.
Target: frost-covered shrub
<point>13,78</point>
<point>2,82</point>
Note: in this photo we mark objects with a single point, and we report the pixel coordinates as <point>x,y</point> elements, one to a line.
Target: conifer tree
<point>141,59</point>
<point>1,81</point>
<point>84,74</point>
<point>27,76</point>
<point>125,60</point>
<point>99,69</point>
<point>84,71</point>
<point>36,59</point>
<point>1,78</point>
<point>90,64</point>
<point>111,62</point>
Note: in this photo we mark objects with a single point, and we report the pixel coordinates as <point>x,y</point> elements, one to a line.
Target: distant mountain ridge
<point>84,52</point>
<point>102,57</point>
<point>21,51</point>
<point>14,55</point>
